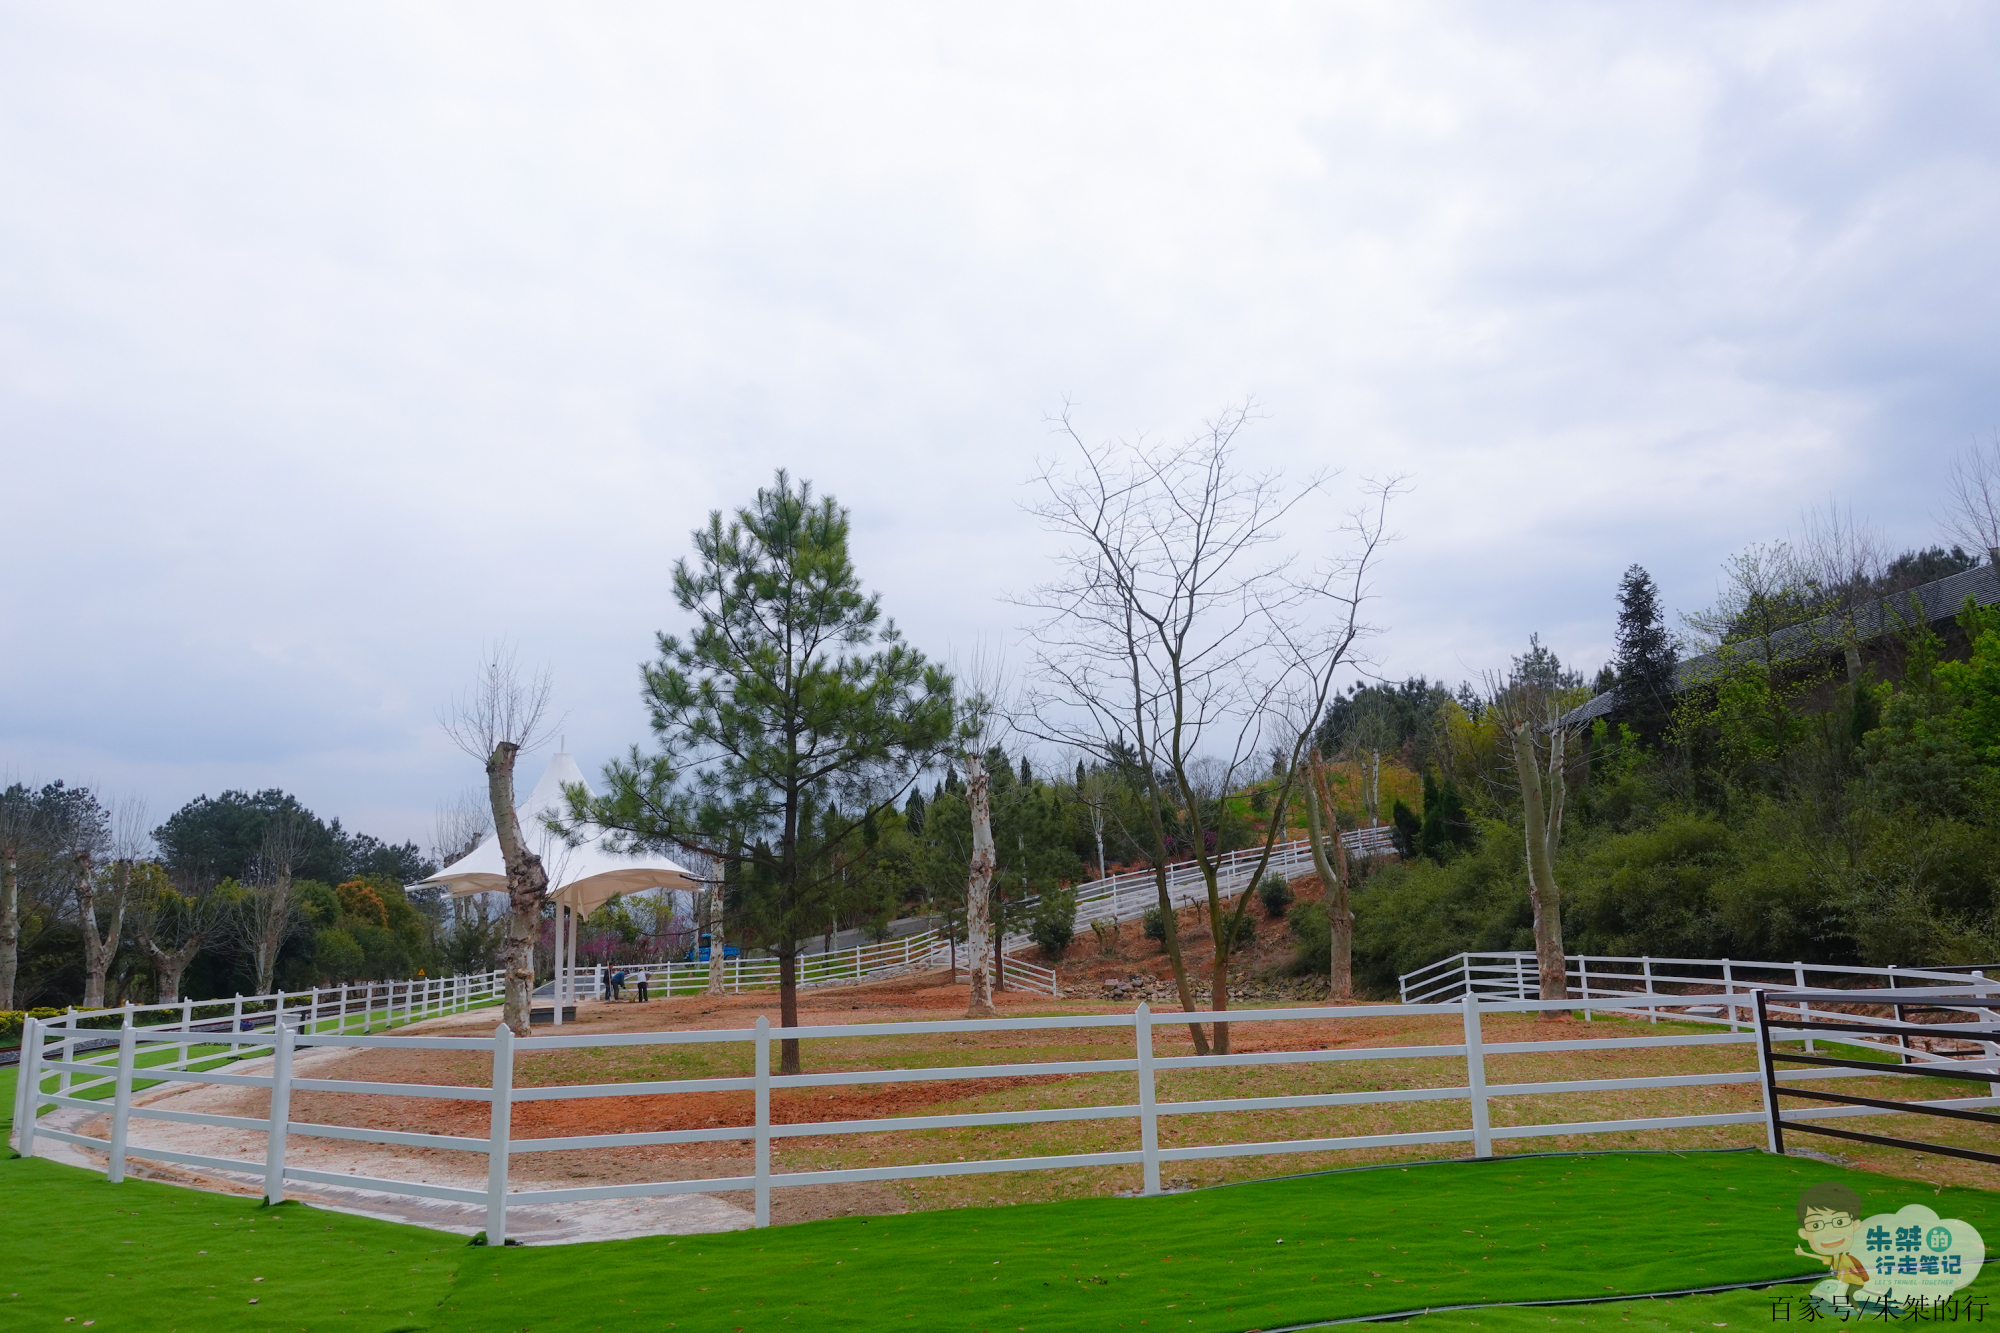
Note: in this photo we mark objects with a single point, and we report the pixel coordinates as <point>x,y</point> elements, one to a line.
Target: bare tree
<point>710,900</point>
<point>1179,635</point>
<point>1972,506</point>
<point>21,834</point>
<point>269,912</point>
<point>504,714</point>
<point>1838,563</point>
<point>103,847</point>
<point>456,832</point>
<point>1366,737</point>
<point>1530,713</point>
<point>1095,793</point>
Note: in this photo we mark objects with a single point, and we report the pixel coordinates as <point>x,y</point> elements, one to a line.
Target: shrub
<point>1246,931</point>
<point>337,956</point>
<point>1309,927</point>
<point>13,1021</point>
<point>1054,924</point>
<point>1276,895</point>
<point>1155,922</point>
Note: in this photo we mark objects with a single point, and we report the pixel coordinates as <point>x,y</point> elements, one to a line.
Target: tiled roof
<point>1940,600</point>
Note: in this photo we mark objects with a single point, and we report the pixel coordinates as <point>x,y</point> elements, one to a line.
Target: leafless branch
<point>503,706</point>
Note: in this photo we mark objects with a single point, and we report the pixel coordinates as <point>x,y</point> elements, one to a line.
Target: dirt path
<point>725,1210</point>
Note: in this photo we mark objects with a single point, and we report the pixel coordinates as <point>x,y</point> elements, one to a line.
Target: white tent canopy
<point>582,877</point>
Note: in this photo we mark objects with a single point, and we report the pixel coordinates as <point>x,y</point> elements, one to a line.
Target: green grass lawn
<point>144,1256</point>
<point>1353,1244</point>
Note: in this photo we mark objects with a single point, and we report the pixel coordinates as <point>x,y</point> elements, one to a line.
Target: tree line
<point>1807,770</point>
<point>237,893</point>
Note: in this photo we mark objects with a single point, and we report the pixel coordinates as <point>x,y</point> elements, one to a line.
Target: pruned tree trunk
<point>979,890</point>
<point>272,910</point>
<point>527,886</point>
<point>1320,829</point>
<point>1541,817</point>
<point>97,949</point>
<point>169,965</point>
<point>10,922</point>
<point>715,977</point>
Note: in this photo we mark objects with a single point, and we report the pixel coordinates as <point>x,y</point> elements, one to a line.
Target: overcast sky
<point>337,340</point>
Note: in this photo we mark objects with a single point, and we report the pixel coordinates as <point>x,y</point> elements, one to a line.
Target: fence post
<point>763,1133</point>
<point>1652,1006</point>
<point>1902,1038</point>
<point>1149,1121</point>
<point>1583,982</point>
<point>187,1027</point>
<point>1805,1006</point>
<point>27,1096</point>
<point>281,1114</point>
<point>1475,1080</point>
<point>1520,977</point>
<point>1729,989</point>
<point>121,1099</point>
<point>236,1017</point>
<point>68,1049</point>
<point>1774,1125</point>
<point>500,1124</point>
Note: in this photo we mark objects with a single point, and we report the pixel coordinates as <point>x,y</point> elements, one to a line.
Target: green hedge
<point>13,1020</point>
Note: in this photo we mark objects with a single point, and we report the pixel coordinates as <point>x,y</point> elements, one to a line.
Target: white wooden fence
<point>1117,897</point>
<point>925,951</point>
<point>176,1030</point>
<point>46,1056</point>
<point>1122,896</point>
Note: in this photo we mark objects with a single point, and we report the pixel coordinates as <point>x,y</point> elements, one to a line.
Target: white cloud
<point>334,342</point>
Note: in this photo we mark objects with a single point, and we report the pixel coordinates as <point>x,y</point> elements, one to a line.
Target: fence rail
<point>48,1059</point>
<point>178,1031</point>
<point>1625,985</point>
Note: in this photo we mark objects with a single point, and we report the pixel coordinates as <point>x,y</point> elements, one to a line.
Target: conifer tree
<point>791,693</point>
<point>1645,658</point>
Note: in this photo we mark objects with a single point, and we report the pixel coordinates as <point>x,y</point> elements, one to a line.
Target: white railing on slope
<point>911,952</point>
<point>1606,983</point>
<point>1124,895</point>
<point>1118,897</point>
<point>498,1145</point>
<point>925,951</point>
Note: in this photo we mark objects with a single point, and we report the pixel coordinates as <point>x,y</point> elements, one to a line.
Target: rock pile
<point>1157,990</point>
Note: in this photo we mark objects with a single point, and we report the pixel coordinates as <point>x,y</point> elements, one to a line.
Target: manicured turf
<point>1365,1242</point>
<point>132,1257</point>
<point>1777,1309</point>
<point>142,1256</point>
